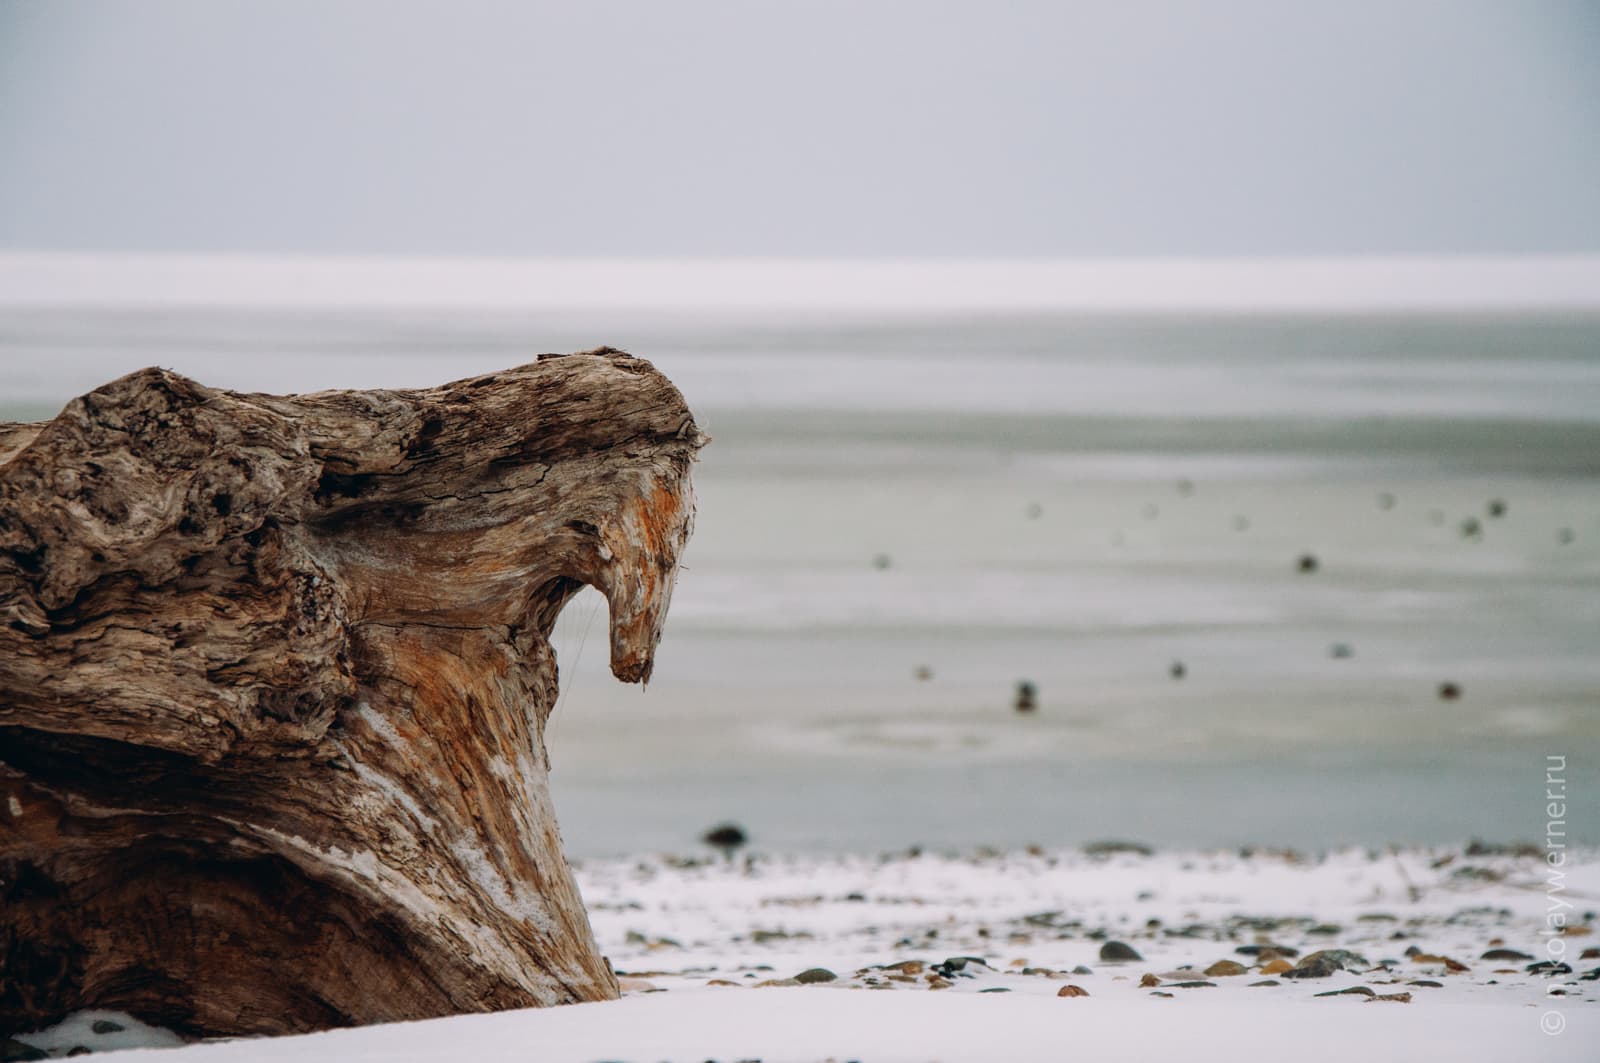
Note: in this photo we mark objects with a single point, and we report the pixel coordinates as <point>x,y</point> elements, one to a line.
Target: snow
<point>1037,921</point>
<point>776,1025</point>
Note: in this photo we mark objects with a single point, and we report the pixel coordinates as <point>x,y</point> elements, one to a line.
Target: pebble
<point>1496,507</point>
<point>104,1026</point>
<point>1511,955</point>
<point>1266,948</point>
<point>1449,691</point>
<point>1117,952</point>
<point>1225,969</point>
<point>1265,981</point>
<point>815,974</point>
<point>998,989</point>
<point>722,982</point>
<point>1308,563</point>
<point>1177,670</point>
<point>1158,993</point>
<point>1455,966</point>
<point>1197,984</point>
<point>1355,990</point>
<point>882,561</point>
<point>1385,500</point>
<point>1341,651</point>
<point>776,982</point>
<point>1398,998</point>
<point>1323,963</point>
<point>1113,846</point>
<point>1277,965</point>
<point>922,673</point>
<point>1149,981</point>
<point>1426,982</point>
<point>1027,697</point>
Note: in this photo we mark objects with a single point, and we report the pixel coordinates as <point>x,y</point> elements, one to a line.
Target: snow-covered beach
<point>1476,953</point>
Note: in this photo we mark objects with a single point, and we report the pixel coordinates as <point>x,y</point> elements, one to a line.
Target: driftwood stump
<point>274,673</point>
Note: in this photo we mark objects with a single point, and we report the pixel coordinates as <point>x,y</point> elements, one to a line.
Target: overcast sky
<point>940,127</point>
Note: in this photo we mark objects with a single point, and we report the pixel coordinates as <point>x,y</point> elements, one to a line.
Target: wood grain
<point>274,673</point>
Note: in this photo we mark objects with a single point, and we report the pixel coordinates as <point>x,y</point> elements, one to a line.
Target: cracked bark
<point>274,673</point>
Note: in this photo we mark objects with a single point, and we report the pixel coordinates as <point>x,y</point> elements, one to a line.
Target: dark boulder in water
<point>727,837</point>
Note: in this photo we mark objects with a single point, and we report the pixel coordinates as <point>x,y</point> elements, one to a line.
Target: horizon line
<point>713,284</point>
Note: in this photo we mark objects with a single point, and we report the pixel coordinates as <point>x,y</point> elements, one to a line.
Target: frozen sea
<point>904,514</point>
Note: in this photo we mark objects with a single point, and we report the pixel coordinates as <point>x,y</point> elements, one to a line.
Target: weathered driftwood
<point>274,673</point>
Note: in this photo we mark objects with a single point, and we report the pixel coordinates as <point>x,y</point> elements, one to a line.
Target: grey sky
<point>806,128</point>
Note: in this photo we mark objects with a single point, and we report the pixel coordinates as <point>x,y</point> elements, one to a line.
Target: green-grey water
<point>1079,502</point>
